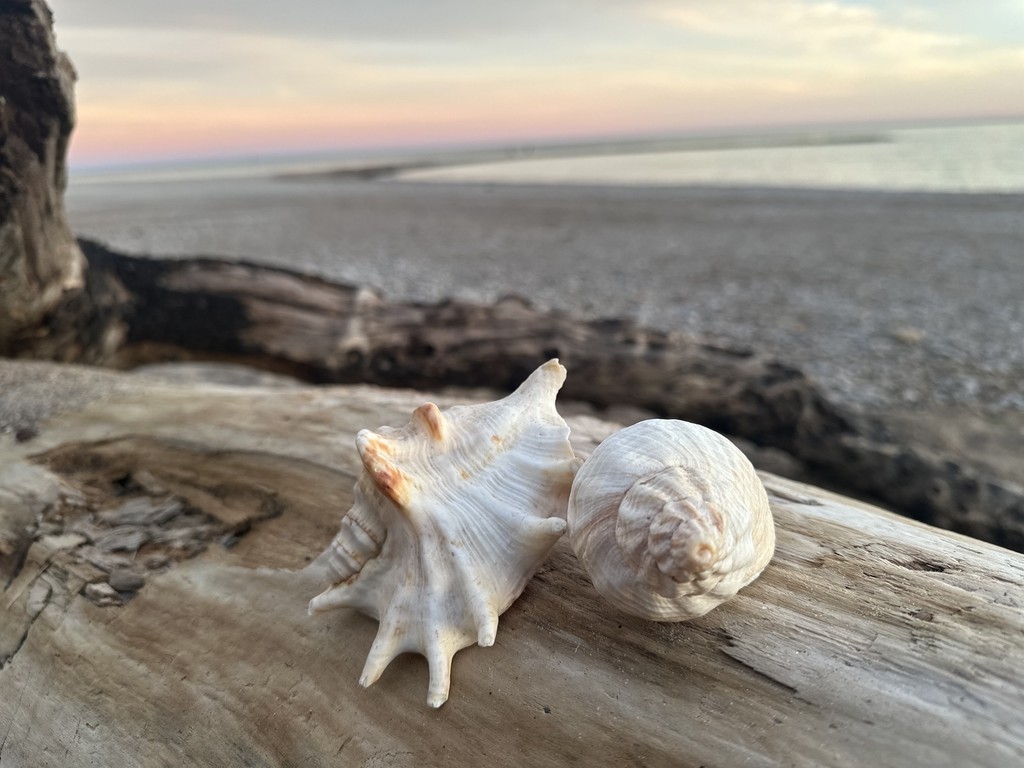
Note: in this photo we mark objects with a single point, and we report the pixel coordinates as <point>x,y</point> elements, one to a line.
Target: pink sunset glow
<point>188,81</point>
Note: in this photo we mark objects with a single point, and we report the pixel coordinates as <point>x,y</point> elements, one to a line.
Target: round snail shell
<point>669,519</point>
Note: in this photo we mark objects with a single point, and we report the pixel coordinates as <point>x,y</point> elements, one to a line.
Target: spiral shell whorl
<point>667,530</point>
<point>669,519</point>
<point>359,540</point>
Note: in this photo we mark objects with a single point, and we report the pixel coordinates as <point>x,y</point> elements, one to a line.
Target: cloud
<point>258,73</point>
<point>813,41</point>
<point>806,27</point>
<point>811,24</point>
<point>377,20</point>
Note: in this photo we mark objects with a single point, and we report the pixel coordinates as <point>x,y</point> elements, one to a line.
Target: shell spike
<point>544,529</point>
<point>335,596</point>
<point>549,376</point>
<point>373,451</point>
<point>487,627</point>
<point>430,418</point>
<point>440,674</point>
<point>383,651</point>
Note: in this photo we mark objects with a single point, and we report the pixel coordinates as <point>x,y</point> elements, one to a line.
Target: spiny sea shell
<point>453,513</point>
<point>669,519</point>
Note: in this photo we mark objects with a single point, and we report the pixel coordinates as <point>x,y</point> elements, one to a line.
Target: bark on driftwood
<point>156,615</point>
<point>39,259</point>
<point>147,310</point>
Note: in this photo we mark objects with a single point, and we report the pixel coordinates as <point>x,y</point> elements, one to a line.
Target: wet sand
<point>903,304</point>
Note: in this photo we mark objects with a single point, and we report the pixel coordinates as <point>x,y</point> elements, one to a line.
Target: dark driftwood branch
<point>146,310</point>
<point>39,260</point>
<point>125,310</point>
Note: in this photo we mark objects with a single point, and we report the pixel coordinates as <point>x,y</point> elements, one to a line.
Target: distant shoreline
<point>384,165</point>
<point>833,281</point>
<point>963,159</point>
<point>373,171</point>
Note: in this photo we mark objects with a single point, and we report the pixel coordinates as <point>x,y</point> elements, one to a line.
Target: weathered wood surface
<point>870,639</point>
<point>142,310</point>
<point>40,263</point>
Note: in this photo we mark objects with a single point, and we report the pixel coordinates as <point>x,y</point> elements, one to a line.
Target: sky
<point>209,78</point>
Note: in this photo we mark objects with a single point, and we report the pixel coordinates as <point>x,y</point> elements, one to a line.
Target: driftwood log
<point>157,542</point>
<point>141,310</point>
<point>112,309</point>
<point>40,263</point>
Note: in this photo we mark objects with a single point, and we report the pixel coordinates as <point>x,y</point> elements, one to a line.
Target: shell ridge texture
<point>454,512</point>
<point>452,489</point>
<point>669,519</point>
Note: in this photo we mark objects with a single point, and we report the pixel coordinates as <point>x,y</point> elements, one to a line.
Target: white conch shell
<point>453,513</point>
<point>669,519</point>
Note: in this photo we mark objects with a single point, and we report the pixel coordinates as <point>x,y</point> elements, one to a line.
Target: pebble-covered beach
<point>891,300</point>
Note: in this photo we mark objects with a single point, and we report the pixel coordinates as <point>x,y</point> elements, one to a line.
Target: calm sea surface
<point>974,158</point>
<point>977,158</point>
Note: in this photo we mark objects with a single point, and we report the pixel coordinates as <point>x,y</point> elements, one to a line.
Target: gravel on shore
<point>892,301</point>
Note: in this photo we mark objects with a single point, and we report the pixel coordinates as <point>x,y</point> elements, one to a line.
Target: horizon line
<point>410,151</point>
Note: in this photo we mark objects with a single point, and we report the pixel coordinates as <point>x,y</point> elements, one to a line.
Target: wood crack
<point>773,681</point>
<point>33,611</point>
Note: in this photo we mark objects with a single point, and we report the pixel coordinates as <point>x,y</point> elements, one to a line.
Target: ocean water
<point>966,158</point>
<point>962,158</point>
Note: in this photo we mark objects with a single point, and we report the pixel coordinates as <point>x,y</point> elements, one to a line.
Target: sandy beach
<point>906,304</point>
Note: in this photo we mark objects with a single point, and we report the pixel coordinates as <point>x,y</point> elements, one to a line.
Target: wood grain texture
<point>869,640</point>
<point>143,310</point>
